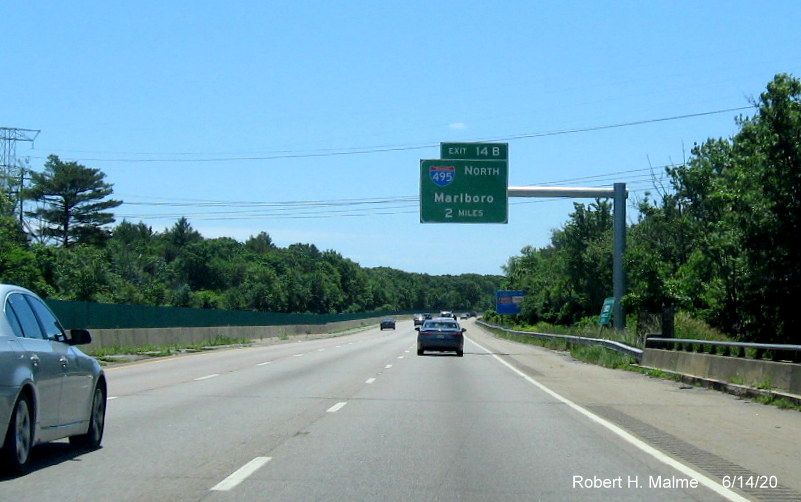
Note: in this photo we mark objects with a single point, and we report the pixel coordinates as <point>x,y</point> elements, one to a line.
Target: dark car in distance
<point>418,319</point>
<point>387,323</point>
<point>442,334</point>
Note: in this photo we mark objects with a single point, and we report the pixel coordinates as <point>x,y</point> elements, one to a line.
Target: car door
<point>43,363</point>
<point>77,379</point>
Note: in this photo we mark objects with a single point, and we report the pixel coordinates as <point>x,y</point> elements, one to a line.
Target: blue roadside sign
<point>509,302</point>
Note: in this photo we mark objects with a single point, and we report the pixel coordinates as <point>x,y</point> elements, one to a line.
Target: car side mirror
<point>464,329</point>
<point>417,328</point>
<point>79,337</point>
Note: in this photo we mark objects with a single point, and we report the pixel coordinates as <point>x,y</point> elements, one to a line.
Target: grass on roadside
<point>610,359</point>
<point>112,354</point>
<point>685,327</point>
<point>587,353</point>
<point>777,401</point>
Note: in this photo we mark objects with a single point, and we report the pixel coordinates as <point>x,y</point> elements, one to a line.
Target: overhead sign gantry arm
<point>619,194</point>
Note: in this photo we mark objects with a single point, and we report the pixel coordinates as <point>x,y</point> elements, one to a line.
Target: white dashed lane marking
<point>336,407</point>
<point>241,474</point>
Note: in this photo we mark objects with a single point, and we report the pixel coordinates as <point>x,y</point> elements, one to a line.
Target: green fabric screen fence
<point>88,315</point>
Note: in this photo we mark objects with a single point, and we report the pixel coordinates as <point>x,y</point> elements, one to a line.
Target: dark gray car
<point>49,389</point>
<point>441,334</point>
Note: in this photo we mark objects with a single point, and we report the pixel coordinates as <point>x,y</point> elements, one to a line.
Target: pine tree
<point>73,202</point>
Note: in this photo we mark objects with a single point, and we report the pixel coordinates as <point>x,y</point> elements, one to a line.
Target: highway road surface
<point>361,417</point>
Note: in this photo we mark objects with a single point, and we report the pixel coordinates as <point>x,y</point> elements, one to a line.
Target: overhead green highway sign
<point>463,191</point>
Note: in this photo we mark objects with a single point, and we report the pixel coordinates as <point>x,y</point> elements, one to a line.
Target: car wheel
<point>16,454</point>
<point>419,352</point>
<point>97,421</point>
<point>459,353</point>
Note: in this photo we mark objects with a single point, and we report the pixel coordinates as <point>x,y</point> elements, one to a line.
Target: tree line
<point>67,251</point>
<point>720,240</point>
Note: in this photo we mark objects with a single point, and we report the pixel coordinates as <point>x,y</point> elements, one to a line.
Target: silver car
<point>49,389</point>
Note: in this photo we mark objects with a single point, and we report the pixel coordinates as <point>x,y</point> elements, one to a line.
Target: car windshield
<point>440,325</point>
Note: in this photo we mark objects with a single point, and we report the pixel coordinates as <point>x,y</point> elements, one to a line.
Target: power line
<point>612,177</point>
<point>286,204</point>
<point>283,155</point>
<point>622,124</point>
<point>367,207</point>
<point>357,207</point>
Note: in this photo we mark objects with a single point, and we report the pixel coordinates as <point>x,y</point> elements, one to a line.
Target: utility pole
<point>12,172</point>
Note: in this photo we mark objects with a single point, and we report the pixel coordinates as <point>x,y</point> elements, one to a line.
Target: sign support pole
<point>618,250</point>
<point>618,195</point>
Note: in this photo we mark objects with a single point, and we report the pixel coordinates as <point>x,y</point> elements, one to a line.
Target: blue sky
<point>307,120</point>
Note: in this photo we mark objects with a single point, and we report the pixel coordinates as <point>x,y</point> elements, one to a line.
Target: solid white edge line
<point>240,474</point>
<point>645,447</point>
<point>337,407</point>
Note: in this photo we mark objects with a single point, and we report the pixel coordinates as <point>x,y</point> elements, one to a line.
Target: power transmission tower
<point>12,172</point>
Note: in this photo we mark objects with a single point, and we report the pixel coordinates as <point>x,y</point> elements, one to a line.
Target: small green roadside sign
<point>463,191</point>
<point>606,311</point>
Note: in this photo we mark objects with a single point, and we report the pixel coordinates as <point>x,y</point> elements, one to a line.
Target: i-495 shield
<point>442,175</point>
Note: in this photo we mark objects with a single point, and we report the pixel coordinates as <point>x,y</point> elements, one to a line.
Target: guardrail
<point>695,362</point>
<point>579,340</point>
<point>766,351</point>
